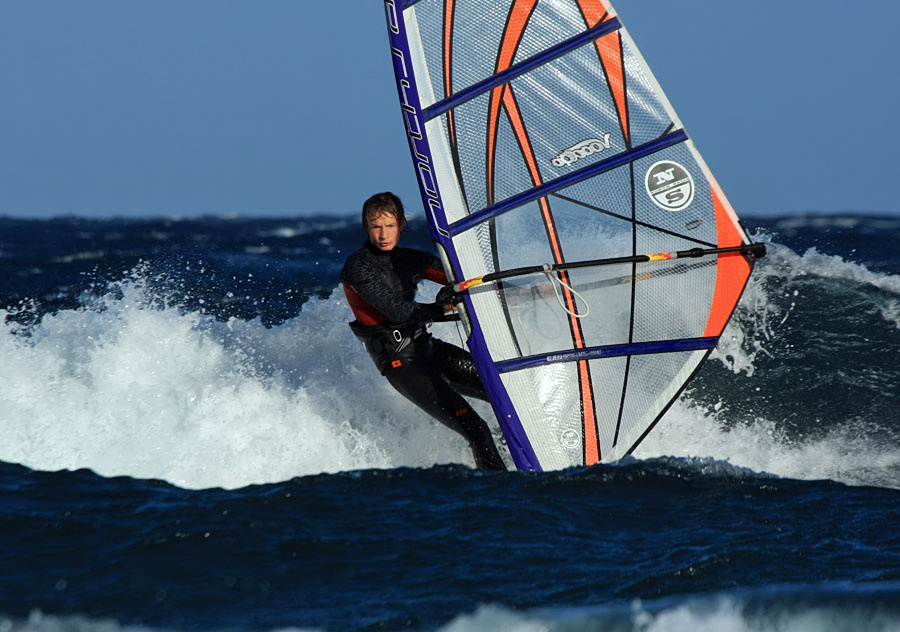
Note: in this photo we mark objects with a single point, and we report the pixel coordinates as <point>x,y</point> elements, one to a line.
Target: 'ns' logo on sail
<point>669,185</point>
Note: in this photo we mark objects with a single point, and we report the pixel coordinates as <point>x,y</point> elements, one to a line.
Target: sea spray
<point>131,385</point>
<point>155,375</point>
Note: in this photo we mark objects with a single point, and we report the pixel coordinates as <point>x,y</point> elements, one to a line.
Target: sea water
<point>192,439</point>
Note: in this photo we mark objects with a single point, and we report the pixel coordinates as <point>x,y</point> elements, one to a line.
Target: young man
<point>380,281</point>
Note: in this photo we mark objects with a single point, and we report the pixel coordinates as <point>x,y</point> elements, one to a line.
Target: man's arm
<point>374,301</point>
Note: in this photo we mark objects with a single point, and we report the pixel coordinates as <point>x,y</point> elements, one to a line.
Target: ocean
<point>192,440</point>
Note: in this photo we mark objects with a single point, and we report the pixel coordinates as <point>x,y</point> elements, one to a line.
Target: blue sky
<point>288,107</point>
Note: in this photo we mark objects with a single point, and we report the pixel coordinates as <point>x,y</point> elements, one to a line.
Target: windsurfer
<point>380,282</point>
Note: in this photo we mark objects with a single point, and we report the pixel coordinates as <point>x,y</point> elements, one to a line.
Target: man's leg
<point>424,387</point>
<point>458,368</point>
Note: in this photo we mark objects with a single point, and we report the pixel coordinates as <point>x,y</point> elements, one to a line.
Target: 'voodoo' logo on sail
<point>581,150</point>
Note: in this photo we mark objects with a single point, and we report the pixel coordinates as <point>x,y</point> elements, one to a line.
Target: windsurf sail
<point>596,258</point>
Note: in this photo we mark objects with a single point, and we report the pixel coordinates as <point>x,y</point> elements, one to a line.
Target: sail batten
<point>567,180</point>
<point>522,67</point>
<point>592,353</point>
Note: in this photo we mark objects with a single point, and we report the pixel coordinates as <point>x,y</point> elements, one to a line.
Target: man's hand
<point>447,296</point>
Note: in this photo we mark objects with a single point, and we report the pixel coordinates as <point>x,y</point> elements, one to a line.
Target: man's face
<point>384,231</point>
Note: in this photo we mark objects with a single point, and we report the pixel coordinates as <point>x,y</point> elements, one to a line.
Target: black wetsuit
<point>380,288</point>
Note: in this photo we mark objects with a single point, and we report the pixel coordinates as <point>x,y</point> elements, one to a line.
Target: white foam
<point>129,386</point>
<point>688,431</point>
<point>720,613</point>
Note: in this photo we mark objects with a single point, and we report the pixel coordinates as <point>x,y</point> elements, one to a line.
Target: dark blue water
<point>192,440</point>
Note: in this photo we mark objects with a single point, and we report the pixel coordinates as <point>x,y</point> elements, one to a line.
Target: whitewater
<point>130,383</point>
